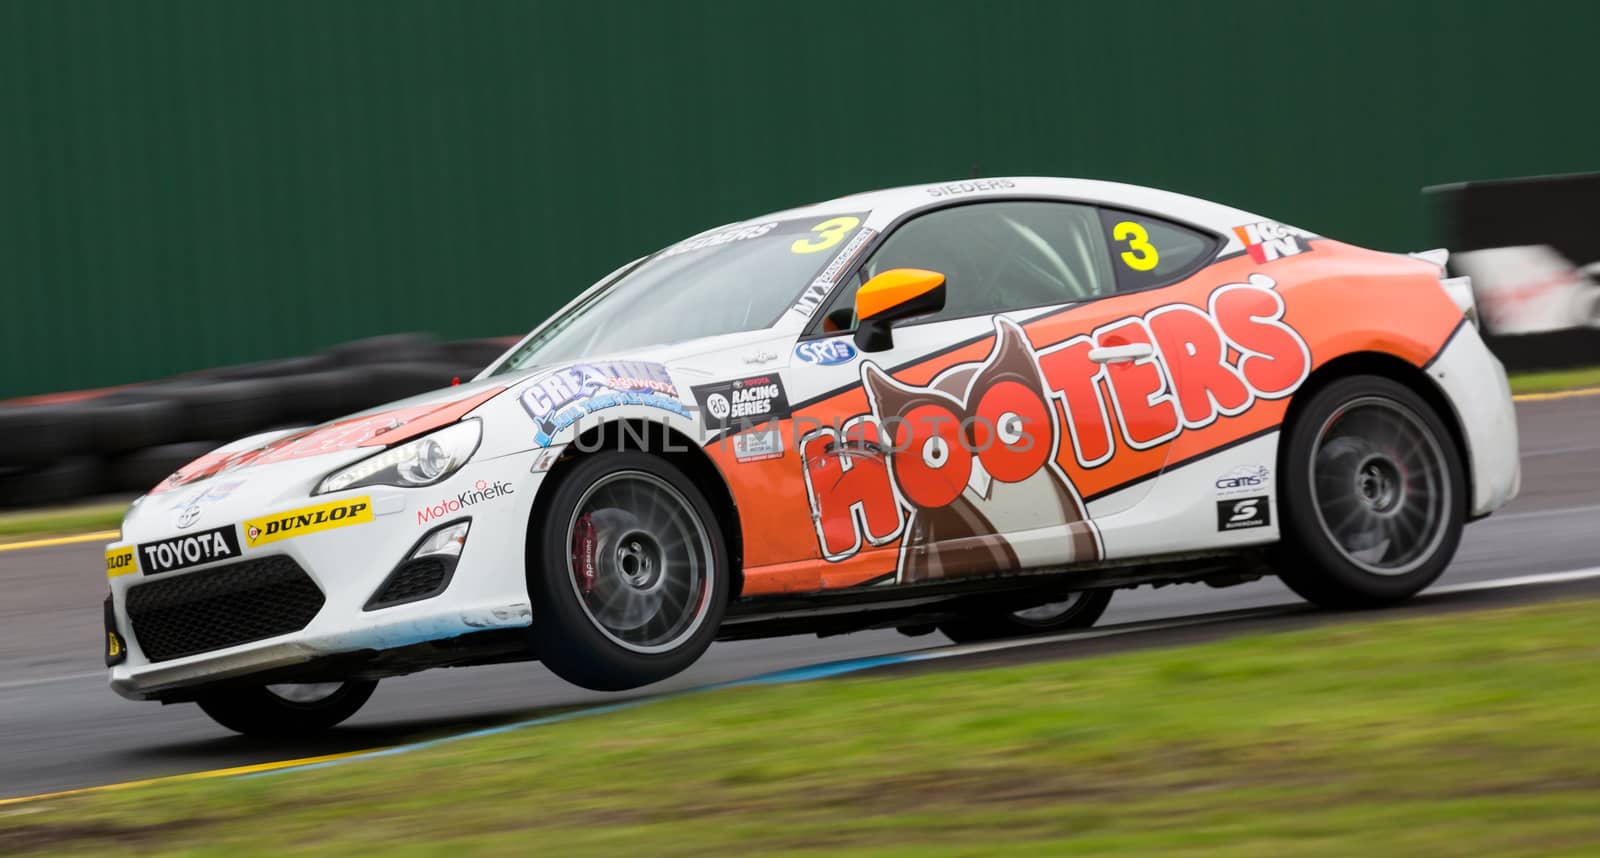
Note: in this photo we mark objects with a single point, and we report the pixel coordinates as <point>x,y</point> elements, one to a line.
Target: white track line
<point>1242,614</point>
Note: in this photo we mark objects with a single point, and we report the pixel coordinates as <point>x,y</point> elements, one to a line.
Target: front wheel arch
<point>673,446</point>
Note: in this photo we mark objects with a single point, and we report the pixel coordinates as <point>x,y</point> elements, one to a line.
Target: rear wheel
<point>287,710</point>
<point>1373,495</point>
<point>1077,611</point>
<point>628,573</point>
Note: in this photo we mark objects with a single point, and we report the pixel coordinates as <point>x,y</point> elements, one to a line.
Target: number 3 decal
<point>829,233</point>
<point>1141,254</point>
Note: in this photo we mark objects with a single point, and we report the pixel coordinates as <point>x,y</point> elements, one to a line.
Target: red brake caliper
<point>584,545</point>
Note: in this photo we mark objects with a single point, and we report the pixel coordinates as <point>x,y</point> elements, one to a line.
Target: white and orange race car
<point>977,406</point>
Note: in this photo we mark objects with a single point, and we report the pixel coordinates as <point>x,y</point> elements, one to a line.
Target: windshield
<point>733,279</point>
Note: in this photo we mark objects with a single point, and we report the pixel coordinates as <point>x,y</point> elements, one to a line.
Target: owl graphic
<point>974,447</point>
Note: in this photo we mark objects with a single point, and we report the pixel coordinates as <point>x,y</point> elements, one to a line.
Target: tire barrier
<point>1533,252</point>
<point>127,439</point>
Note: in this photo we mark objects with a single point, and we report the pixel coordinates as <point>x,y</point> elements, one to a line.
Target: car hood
<point>300,457</point>
<point>354,437</point>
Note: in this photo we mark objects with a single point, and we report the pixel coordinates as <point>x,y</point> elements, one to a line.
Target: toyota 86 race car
<point>978,407</point>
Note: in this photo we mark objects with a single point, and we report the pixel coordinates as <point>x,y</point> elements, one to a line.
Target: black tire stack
<point>126,440</point>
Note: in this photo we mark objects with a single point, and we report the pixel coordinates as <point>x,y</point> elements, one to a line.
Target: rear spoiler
<point>1458,288</point>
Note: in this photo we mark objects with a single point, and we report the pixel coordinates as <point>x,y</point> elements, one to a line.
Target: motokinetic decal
<point>482,490</point>
<point>937,465</point>
<point>563,397</point>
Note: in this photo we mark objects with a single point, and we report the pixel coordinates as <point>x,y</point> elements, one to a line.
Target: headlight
<point>418,462</point>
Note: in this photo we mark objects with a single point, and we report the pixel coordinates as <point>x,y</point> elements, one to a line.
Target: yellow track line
<point>97,536</point>
<point>189,776</point>
<point>1557,394</point>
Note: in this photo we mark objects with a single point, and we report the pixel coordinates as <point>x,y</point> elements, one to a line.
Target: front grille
<point>413,581</point>
<point>227,606</point>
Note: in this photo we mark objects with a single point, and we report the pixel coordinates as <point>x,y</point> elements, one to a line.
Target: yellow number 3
<point>1141,254</point>
<point>829,233</point>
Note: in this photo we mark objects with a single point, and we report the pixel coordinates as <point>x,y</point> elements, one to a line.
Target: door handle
<point>1122,353</point>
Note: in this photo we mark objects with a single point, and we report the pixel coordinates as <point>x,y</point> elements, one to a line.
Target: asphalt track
<point>61,728</point>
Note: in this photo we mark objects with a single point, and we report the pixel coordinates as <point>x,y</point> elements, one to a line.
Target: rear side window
<point>1148,251</point>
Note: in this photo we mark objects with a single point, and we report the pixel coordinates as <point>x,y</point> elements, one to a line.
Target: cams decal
<point>119,561</point>
<point>310,519</point>
<point>1243,480</point>
<point>1243,513</point>
<point>565,396</point>
<point>481,491</point>
<point>181,552</point>
<point>1269,240</point>
<point>743,402</point>
<point>936,465</point>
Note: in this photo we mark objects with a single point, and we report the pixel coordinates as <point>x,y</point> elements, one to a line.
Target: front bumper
<point>487,589</point>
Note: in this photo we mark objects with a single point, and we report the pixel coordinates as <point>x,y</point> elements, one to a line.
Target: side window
<point>994,256</point>
<point>1148,251</point>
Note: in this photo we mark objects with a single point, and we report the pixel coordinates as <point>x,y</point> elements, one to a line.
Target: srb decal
<point>825,352</point>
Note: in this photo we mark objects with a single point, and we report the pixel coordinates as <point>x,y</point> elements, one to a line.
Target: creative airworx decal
<point>307,520</point>
<point>563,397</point>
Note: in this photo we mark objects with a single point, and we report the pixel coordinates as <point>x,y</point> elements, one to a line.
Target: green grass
<point>1564,379</point>
<point>30,524</point>
<point>1467,734</point>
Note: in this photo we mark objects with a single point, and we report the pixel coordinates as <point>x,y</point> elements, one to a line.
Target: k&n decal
<point>308,519</point>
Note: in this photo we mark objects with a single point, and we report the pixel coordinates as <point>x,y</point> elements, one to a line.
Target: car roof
<point>891,204</point>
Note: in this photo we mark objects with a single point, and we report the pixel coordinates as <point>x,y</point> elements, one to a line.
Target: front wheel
<point>1077,611</point>
<point>628,573</point>
<point>286,711</point>
<point>1372,493</point>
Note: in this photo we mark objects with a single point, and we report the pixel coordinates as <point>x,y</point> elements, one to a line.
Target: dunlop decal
<point>309,519</point>
<point>119,561</point>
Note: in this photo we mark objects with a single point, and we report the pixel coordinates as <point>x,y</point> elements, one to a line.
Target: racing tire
<point>32,435</point>
<point>627,572</point>
<point>1372,495</point>
<point>133,421</point>
<point>142,470</point>
<point>286,711</point>
<point>1079,611</point>
<point>58,482</point>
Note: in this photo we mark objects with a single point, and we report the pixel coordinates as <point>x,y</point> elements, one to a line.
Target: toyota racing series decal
<point>566,396</point>
<point>743,402</point>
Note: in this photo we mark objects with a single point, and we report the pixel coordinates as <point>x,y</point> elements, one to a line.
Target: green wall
<point>185,184</point>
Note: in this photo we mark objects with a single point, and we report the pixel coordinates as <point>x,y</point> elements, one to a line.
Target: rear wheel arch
<point>1387,366</point>
<point>666,443</point>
